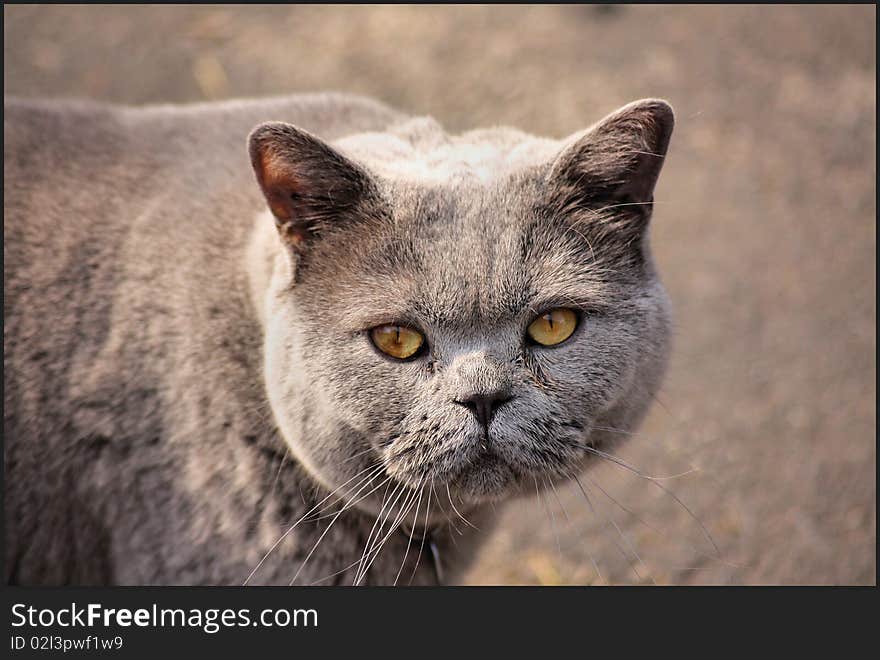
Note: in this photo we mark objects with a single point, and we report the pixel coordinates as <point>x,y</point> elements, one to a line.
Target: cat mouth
<point>487,477</point>
<point>488,469</point>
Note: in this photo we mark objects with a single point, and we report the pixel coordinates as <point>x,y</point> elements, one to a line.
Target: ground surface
<point>764,230</point>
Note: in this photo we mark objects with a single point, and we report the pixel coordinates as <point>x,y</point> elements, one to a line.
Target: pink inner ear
<point>278,182</point>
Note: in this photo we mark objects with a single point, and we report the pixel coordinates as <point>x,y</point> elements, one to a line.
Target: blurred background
<point>764,230</point>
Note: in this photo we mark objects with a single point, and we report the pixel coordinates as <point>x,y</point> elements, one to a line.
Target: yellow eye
<point>553,327</point>
<point>397,341</point>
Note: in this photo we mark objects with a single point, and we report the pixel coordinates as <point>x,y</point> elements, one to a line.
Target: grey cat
<point>202,391</point>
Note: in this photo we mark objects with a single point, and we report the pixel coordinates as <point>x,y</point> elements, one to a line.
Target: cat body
<point>189,375</point>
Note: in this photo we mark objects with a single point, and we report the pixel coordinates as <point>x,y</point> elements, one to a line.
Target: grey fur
<point>185,378</point>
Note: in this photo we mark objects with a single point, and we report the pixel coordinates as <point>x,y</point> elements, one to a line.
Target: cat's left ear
<point>616,163</point>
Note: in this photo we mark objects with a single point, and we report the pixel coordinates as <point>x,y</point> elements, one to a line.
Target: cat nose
<point>483,406</point>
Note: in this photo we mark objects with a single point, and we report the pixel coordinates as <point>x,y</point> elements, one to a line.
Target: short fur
<point>187,376</point>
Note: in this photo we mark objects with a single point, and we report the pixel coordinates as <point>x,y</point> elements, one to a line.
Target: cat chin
<point>493,479</point>
<point>489,480</point>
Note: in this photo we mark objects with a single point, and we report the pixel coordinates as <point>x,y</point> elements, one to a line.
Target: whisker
<point>368,545</point>
<point>637,434</point>
<point>424,534</point>
<point>468,522</point>
<point>411,531</point>
<point>613,540</point>
<point>692,469</point>
<point>445,514</point>
<point>625,539</point>
<point>280,467</point>
<point>614,206</point>
<point>558,501</point>
<point>379,540</point>
<point>332,575</point>
<point>585,239</point>
<point>619,461</point>
<point>356,562</point>
<point>552,518</point>
<point>352,564</point>
<point>348,506</point>
<point>656,482</point>
<point>590,554</point>
<point>309,512</point>
<point>657,530</point>
<point>405,507</point>
<point>360,453</point>
<point>324,533</point>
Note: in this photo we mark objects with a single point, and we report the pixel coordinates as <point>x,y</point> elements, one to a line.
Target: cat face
<point>472,333</point>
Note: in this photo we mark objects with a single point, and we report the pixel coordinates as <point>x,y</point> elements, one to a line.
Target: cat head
<point>471,313</point>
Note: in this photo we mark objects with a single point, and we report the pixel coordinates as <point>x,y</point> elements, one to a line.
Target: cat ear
<point>308,185</point>
<point>615,164</point>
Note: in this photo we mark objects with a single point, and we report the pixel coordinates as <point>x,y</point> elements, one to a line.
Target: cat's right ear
<point>308,185</point>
